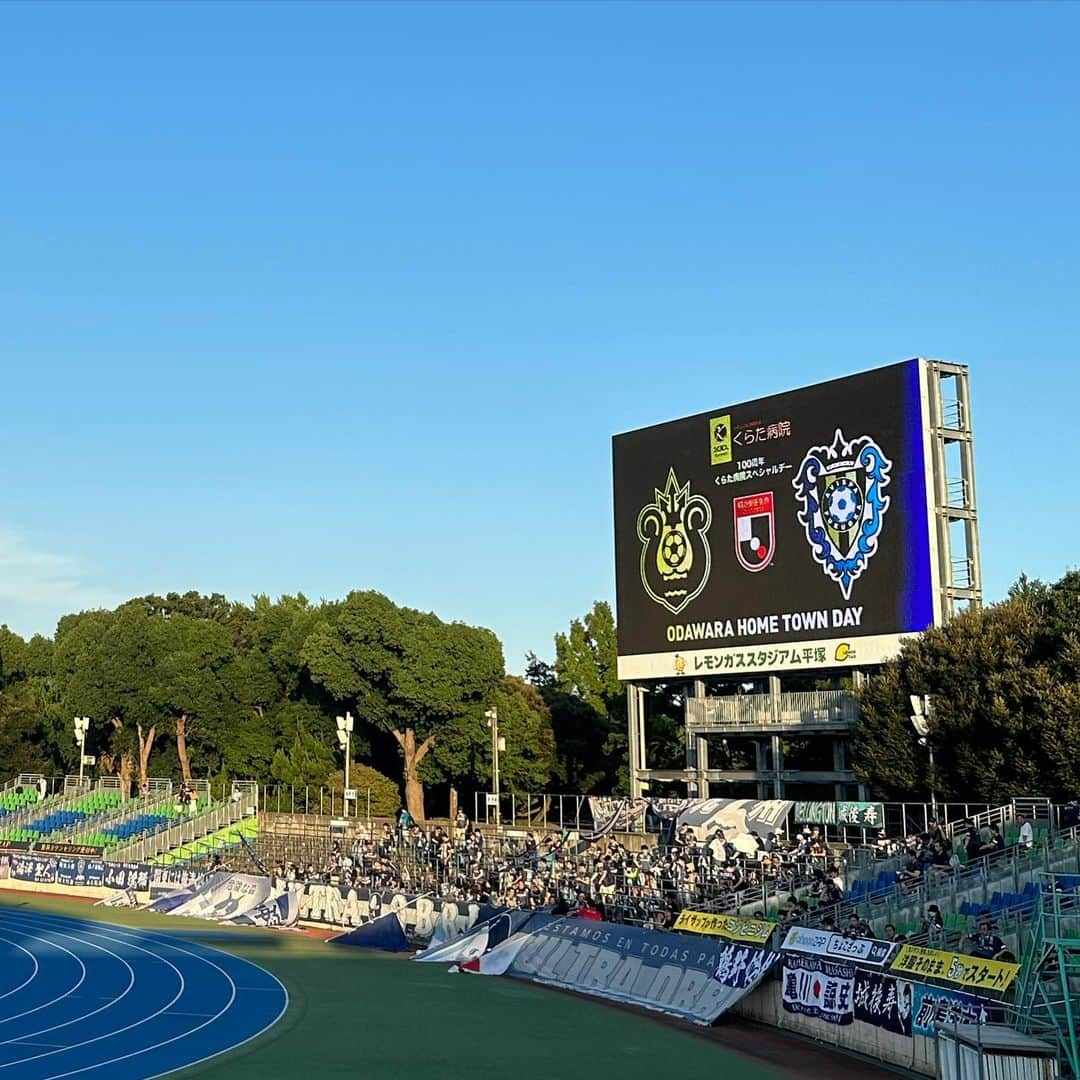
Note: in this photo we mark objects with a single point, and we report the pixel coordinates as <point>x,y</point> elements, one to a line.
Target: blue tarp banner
<point>667,972</point>
<point>382,933</point>
<point>76,871</point>
<point>422,916</point>
<point>482,938</point>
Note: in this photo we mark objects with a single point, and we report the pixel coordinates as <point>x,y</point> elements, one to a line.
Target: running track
<point>91,1000</point>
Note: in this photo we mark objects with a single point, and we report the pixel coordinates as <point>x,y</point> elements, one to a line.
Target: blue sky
<point>328,297</point>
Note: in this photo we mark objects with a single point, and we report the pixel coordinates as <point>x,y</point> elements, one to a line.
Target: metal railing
<point>184,832</point>
<point>285,799</point>
<point>788,710</point>
<point>69,797</point>
<point>123,813</point>
<point>1007,871</point>
<point>23,780</point>
<point>531,810</point>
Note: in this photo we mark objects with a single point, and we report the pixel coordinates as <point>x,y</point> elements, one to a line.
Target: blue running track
<point>91,1000</point>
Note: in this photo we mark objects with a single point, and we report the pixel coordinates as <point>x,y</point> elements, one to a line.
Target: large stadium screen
<point>785,534</point>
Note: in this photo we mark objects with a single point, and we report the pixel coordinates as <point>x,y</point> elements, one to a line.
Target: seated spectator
<point>857,927</point>
<point>912,870</point>
<point>986,944</point>
<point>995,843</point>
<point>974,844</point>
<point>586,909</point>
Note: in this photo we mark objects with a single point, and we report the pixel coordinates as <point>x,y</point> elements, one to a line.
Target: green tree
<point>144,671</point>
<point>585,659</point>
<point>384,793</point>
<point>1006,716</point>
<point>409,674</point>
<point>588,707</point>
<point>28,741</point>
<point>307,763</point>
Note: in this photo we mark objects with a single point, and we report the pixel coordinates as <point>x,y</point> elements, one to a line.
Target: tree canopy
<point>1004,683</point>
<point>203,686</point>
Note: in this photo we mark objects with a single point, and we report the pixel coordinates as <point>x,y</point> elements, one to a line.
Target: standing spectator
<point>1027,834</point>
<point>934,923</point>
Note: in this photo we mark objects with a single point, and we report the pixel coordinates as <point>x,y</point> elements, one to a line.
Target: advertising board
<point>784,534</point>
<point>695,980</point>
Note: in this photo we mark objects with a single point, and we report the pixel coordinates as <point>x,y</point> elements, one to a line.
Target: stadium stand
<point>53,817</point>
<point>12,801</point>
<point>131,825</point>
<point>223,841</point>
<point>147,841</point>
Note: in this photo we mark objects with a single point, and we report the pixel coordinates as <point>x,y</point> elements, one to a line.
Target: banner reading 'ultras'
<point>698,981</point>
<point>787,533</point>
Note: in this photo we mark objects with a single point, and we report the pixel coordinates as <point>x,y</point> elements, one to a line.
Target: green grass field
<point>356,1012</point>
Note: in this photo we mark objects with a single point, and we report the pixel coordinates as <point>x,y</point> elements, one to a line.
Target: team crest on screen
<point>755,534</point>
<point>675,556</point>
<point>840,491</point>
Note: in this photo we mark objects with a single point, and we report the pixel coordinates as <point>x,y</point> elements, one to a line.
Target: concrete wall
<point>765,1005</point>
<point>88,892</point>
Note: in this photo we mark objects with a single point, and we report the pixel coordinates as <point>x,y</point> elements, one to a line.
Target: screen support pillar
<point>635,737</point>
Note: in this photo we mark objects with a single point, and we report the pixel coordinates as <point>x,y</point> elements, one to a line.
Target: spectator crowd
<point>530,871</point>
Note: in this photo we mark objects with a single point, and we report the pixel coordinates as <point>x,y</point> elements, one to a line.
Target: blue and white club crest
<point>842,505</point>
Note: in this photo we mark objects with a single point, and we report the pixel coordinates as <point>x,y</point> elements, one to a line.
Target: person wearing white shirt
<point>1027,835</point>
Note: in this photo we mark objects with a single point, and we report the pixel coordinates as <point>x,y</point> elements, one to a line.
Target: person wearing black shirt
<point>986,943</point>
<point>996,842</point>
<point>974,844</point>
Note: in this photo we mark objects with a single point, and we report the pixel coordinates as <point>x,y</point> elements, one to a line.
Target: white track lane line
<point>45,1005</point>
<point>93,1012</point>
<point>125,936</point>
<point>115,1031</point>
<point>219,1013</point>
<point>33,975</point>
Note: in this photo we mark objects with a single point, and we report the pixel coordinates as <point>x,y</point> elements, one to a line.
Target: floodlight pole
<point>82,723</point>
<point>492,717</point>
<point>930,750</point>
<point>344,736</point>
<point>920,719</point>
